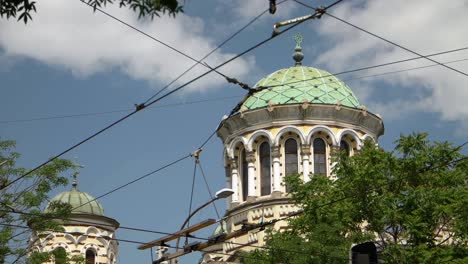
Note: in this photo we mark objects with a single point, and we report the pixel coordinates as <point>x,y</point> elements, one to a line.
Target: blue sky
<point>70,61</point>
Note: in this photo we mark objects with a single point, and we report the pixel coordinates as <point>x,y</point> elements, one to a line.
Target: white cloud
<point>425,27</point>
<point>68,34</point>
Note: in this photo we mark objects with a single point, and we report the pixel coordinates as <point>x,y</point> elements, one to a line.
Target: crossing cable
<point>142,106</point>
<point>231,97</point>
<point>169,246</point>
<point>208,188</point>
<point>371,75</point>
<point>215,131</point>
<point>63,232</point>
<point>176,50</point>
<point>429,168</point>
<point>118,110</point>
<point>384,39</point>
<point>372,67</point>
<point>143,230</point>
<point>191,196</point>
<point>150,173</point>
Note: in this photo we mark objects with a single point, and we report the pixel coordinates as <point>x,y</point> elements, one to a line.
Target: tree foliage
<point>23,9</point>
<point>411,202</point>
<point>21,201</point>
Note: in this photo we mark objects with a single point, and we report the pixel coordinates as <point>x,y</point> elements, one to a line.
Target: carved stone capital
<point>233,164</point>
<point>305,149</point>
<point>250,157</point>
<point>275,152</point>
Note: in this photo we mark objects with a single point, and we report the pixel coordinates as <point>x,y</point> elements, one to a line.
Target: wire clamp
<point>320,11</point>
<point>139,107</point>
<point>196,154</point>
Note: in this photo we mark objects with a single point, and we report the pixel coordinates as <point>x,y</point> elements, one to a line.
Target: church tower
<point>290,123</point>
<point>87,233</point>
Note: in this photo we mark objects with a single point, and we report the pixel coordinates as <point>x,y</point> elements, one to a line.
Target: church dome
<point>300,84</point>
<point>82,202</point>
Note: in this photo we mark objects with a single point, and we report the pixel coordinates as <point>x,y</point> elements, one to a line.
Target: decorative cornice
<point>324,114</point>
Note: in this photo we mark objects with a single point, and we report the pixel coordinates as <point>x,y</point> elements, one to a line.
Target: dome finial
<point>75,182</point>
<point>75,175</point>
<point>298,55</point>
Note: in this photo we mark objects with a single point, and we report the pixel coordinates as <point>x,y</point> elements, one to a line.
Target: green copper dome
<point>300,84</point>
<point>81,201</point>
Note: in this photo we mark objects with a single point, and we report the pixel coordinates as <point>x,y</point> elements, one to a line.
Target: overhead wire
<point>384,39</point>
<point>144,230</point>
<point>148,174</point>
<point>293,82</point>
<point>372,67</point>
<point>176,50</point>
<point>208,188</point>
<point>118,110</point>
<point>142,106</point>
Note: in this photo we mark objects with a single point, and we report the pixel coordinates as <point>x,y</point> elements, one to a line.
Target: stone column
<point>251,173</point>
<point>334,151</point>
<point>275,154</point>
<point>305,153</point>
<point>234,181</point>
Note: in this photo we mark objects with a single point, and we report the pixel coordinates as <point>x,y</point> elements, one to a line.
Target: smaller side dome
<point>83,202</point>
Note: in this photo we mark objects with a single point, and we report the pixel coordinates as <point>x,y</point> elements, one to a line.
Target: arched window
<point>320,166</point>
<point>245,175</point>
<point>265,171</point>
<point>344,146</point>
<point>290,158</point>
<point>90,257</point>
<point>60,255</point>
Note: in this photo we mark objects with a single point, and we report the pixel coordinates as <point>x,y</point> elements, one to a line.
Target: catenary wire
<point>211,52</point>
<point>368,76</point>
<point>231,97</point>
<point>176,50</point>
<point>208,188</point>
<point>145,230</point>
<point>151,231</point>
<point>143,106</point>
<point>384,39</point>
<point>373,75</point>
<point>118,110</point>
<point>145,34</point>
<point>371,67</point>
<point>148,174</point>
<point>191,196</point>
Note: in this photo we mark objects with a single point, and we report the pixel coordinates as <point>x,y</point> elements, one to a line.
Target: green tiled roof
<point>83,202</point>
<point>300,84</point>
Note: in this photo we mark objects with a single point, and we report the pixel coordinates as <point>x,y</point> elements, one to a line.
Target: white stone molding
<point>257,134</point>
<point>234,181</point>
<point>231,147</point>
<point>324,129</point>
<point>367,137</point>
<point>351,133</point>
<point>92,231</point>
<point>275,156</point>
<point>305,154</point>
<point>288,209</point>
<point>262,212</point>
<point>292,129</point>
<point>252,237</point>
<point>251,173</point>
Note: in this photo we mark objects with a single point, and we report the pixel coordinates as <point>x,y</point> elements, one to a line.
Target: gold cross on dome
<point>298,38</point>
